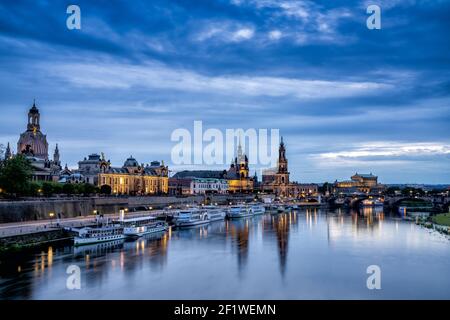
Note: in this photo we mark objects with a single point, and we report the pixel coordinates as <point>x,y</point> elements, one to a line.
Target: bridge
<point>441,202</point>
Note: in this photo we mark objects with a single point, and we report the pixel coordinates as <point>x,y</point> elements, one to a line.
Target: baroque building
<point>34,146</point>
<point>134,178</point>
<point>359,183</point>
<point>277,181</point>
<point>235,180</point>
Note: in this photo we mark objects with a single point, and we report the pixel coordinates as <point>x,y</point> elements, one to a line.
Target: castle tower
<point>283,173</point>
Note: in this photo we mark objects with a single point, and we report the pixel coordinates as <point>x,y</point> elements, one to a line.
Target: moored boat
<point>137,227</point>
<point>191,217</point>
<point>215,213</point>
<point>239,211</point>
<point>107,233</point>
<point>257,209</point>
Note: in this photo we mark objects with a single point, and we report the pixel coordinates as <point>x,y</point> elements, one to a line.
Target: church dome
<point>131,162</point>
<point>33,142</point>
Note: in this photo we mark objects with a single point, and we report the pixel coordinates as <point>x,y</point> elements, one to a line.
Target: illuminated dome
<point>33,142</point>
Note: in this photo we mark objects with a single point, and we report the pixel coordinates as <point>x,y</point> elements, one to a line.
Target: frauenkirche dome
<point>33,142</point>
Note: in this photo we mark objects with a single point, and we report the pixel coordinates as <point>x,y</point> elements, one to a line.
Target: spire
<point>240,154</point>
<point>8,152</point>
<point>56,155</point>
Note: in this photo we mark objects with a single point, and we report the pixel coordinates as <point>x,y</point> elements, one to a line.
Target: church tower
<point>242,162</point>
<point>33,119</point>
<point>282,173</point>
<point>33,142</point>
<point>8,153</point>
<point>56,158</point>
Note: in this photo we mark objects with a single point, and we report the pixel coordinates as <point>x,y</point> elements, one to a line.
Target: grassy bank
<point>442,219</point>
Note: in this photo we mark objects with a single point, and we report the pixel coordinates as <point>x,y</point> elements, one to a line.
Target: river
<point>309,254</point>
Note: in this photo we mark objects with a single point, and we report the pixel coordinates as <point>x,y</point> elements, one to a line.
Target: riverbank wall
<point>41,208</point>
<point>21,242</point>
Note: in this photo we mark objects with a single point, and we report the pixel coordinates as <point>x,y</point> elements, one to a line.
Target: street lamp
<point>51,215</point>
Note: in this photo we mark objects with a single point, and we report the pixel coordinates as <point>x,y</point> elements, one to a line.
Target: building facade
<point>276,180</point>
<point>235,180</point>
<point>34,146</point>
<point>359,183</point>
<point>208,185</point>
<point>134,178</point>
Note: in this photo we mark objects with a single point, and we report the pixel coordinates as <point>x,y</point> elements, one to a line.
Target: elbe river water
<point>309,254</point>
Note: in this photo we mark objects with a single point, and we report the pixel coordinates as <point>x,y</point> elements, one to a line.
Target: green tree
<point>68,189</point>
<point>105,189</point>
<point>15,174</point>
<point>33,188</point>
<point>47,188</point>
<point>391,191</point>
<point>87,189</point>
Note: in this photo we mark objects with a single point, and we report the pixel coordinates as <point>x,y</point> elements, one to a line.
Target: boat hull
<point>137,232</point>
<point>78,241</point>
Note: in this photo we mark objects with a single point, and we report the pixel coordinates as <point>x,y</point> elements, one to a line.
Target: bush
<point>105,189</point>
<point>68,188</point>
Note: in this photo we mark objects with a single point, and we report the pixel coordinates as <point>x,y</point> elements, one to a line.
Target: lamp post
<point>51,215</point>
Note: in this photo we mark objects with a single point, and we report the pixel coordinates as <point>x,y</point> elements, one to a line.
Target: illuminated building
<point>236,179</point>
<point>363,183</point>
<point>134,178</point>
<point>34,146</point>
<point>276,180</point>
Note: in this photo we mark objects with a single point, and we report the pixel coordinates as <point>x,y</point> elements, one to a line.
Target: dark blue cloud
<point>138,70</point>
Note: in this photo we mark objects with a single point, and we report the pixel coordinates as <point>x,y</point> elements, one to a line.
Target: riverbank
<point>38,209</point>
<point>22,242</point>
<point>439,222</point>
<point>442,219</point>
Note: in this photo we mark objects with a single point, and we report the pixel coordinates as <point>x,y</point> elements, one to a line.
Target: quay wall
<point>19,242</point>
<point>39,209</point>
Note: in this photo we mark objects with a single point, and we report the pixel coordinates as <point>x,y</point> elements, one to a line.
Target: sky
<point>345,98</point>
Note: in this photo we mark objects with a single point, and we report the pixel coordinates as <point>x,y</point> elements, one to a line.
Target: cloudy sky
<point>344,97</point>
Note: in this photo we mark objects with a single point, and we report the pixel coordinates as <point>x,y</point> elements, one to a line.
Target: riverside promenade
<point>30,227</point>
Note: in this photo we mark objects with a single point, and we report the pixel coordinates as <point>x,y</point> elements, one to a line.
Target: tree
<point>391,191</point>
<point>105,189</point>
<point>68,188</point>
<point>88,189</point>
<point>15,174</point>
<point>47,189</point>
<point>33,189</point>
<point>2,153</point>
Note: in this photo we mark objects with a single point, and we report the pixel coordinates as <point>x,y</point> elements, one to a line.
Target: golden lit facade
<point>135,179</point>
<point>238,174</point>
<point>365,183</point>
<point>240,185</point>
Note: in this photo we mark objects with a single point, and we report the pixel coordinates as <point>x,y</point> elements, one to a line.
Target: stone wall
<point>38,209</point>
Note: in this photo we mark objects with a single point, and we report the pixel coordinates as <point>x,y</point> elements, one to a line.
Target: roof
<point>365,175</point>
<point>215,174</point>
<point>131,162</point>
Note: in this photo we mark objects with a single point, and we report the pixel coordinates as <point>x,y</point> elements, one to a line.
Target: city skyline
<point>345,98</point>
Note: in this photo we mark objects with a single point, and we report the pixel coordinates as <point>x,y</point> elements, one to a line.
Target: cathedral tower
<point>33,142</point>
<point>282,173</point>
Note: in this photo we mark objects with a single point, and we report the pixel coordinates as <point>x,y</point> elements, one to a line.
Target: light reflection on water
<point>310,254</point>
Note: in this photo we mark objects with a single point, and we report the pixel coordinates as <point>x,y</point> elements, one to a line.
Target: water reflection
<point>156,265</point>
